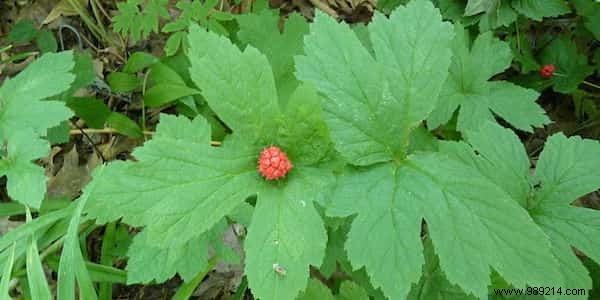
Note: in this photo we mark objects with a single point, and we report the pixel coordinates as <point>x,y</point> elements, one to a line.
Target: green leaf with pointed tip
<point>394,254</point>
<point>180,186</point>
<point>187,259</point>
<point>286,236</point>
<point>433,283</point>
<point>470,221</point>
<point>261,31</point>
<point>536,10</point>
<point>316,290</point>
<point>571,66</point>
<point>21,107</point>
<point>507,164</point>
<point>567,169</point>
<point>139,23</point>
<point>26,180</point>
<point>240,88</point>
<point>469,90</point>
<point>373,103</point>
<point>351,291</point>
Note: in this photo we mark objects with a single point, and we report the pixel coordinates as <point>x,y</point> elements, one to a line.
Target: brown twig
<point>322,6</point>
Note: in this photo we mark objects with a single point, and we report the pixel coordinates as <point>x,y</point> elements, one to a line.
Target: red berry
<point>546,71</point>
<point>273,163</point>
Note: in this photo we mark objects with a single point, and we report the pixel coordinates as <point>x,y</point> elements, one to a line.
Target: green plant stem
<point>241,290</point>
<point>518,35</point>
<point>591,84</point>
<point>19,56</point>
<point>108,241</point>
<point>4,49</point>
<point>186,290</point>
<point>143,103</point>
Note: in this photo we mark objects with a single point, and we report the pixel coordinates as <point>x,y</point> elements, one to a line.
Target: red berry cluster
<point>273,163</point>
<point>546,71</point>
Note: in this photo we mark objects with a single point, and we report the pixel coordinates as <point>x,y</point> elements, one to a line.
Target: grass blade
<point>4,282</point>
<point>35,273</point>
<point>71,260</point>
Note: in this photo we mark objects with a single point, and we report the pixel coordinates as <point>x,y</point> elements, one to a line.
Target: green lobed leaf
<point>285,236</point>
<point>469,220</point>
<point>507,163</point>
<point>469,90</point>
<point>240,88</point>
<point>373,104</point>
<point>21,107</point>
<point>566,170</point>
<point>186,259</point>
<point>394,254</point>
<point>180,186</point>
<point>26,181</point>
<point>261,31</point>
<point>139,23</point>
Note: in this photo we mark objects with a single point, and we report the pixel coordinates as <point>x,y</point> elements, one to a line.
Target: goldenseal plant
<point>361,104</point>
<point>181,187</point>
<point>373,102</point>
<point>567,169</point>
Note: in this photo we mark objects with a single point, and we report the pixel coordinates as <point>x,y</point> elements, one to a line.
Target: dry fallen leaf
<point>63,9</point>
<point>72,177</point>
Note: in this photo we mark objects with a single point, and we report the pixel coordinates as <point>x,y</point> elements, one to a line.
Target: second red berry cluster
<point>547,71</point>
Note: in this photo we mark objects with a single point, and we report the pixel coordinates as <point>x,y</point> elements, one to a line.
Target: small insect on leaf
<point>279,269</point>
